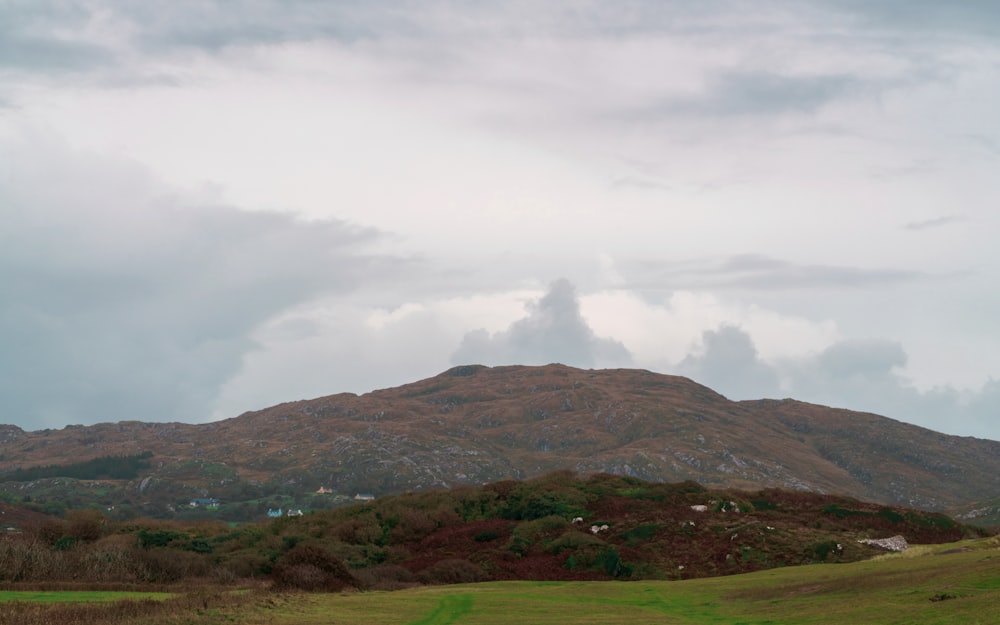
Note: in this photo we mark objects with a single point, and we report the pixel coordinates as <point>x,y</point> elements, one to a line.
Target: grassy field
<point>77,596</point>
<point>945,584</point>
<point>957,583</point>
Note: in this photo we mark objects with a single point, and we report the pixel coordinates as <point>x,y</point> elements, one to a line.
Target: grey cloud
<point>870,358</point>
<point>921,16</point>
<point>730,365</point>
<point>33,37</point>
<point>215,25</point>
<point>553,331</point>
<point>119,303</point>
<point>934,223</point>
<point>985,144</point>
<point>760,272</point>
<point>982,411</point>
<point>855,374</point>
<point>764,93</point>
<point>46,35</point>
<point>865,375</point>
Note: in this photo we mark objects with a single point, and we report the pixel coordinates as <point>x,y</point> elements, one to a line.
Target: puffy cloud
<point>867,375</point>
<point>863,375</point>
<point>553,331</point>
<point>730,365</point>
<point>123,302</point>
<point>867,358</point>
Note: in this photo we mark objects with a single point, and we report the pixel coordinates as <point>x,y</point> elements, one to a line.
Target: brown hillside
<point>473,424</point>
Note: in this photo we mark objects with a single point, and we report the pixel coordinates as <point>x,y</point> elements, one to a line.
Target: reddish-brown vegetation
<point>555,527</point>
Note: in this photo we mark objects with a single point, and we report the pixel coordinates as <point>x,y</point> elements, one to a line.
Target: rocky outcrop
<point>895,543</point>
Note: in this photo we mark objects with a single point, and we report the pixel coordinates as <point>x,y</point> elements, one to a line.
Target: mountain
<point>475,424</point>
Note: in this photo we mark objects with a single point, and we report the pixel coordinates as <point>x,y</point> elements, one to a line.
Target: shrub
<point>566,504</point>
<point>149,537</point>
<point>166,565</point>
<point>519,546</point>
<point>248,564</point>
<point>606,559</point>
<point>84,525</point>
<point>453,571</point>
<point>312,568</point>
<point>640,533</point>
<point>611,562</point>
<point>386,577</point>
<point>50,531</point>
<point>360,530</point>
<point>412,525</point>
<point>533,530</point>
<point>890,515</point>
<point>574,540</point>
<point>29,560</point>
<point>821,550</point>
<point>112,559</point>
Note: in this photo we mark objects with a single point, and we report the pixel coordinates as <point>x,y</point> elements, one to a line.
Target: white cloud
<point>553,331</point>
<point>661,331</point>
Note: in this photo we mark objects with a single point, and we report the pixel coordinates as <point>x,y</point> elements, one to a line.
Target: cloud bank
<point>748,193</point>
<point>863,375</point>
<point>123,302</point>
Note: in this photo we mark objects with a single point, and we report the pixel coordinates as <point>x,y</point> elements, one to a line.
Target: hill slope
<point>473,424</point>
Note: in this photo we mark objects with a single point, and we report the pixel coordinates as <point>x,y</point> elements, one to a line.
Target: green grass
<point>932,588</point>
<point>927,585</point>
<point>78,596</point>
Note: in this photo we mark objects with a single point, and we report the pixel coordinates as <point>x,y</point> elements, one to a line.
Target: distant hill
<point>474,425</point>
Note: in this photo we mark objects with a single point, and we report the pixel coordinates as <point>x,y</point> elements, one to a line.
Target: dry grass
<point>204,606</point>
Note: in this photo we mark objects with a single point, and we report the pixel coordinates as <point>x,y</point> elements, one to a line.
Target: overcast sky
<point>212,207</point>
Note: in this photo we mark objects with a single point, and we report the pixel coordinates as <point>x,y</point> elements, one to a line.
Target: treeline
<point>103,468</point>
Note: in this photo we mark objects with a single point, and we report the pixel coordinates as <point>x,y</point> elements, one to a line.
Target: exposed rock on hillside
<point>893,543</point>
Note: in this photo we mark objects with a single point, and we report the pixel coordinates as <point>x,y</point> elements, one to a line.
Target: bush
<point>112,559</point>
<point>84,525</point>
<point>453,571</point>
<point>29,560</point>
<point>311,568</point>
<point>412,525</point>
<point>164,565</point>
<point>248,564</point>
<point>611,562</point>
<point>820,551</point>
<point>386,577</point>
<point>640,533</point>
<point>533,530</point>
<point>150,537</point>
<point>573,540</point>
<point>360,530</point>
<point>526,504</point>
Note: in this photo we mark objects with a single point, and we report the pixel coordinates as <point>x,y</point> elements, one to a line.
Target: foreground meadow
<point>957,583</point>
<point>952,584</point>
